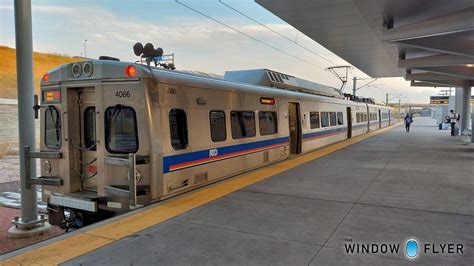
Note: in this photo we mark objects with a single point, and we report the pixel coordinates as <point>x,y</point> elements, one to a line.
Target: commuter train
<point>117,135</point>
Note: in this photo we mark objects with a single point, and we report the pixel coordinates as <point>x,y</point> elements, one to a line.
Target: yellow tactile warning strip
<point>94,238</point>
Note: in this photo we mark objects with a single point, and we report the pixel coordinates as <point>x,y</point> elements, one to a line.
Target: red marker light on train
<point>265,100</point>
<point>131,71</point>
<point>46,77</point>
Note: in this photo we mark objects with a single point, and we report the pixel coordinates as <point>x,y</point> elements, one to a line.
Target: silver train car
<point>117,135</point>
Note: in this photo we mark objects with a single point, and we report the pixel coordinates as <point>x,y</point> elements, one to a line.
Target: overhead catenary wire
<point>248,36</point>
<point>276,32</point>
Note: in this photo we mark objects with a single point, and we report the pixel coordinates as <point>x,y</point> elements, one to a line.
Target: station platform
<point>383,188</point>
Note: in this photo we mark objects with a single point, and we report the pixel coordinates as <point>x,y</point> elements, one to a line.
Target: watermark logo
<point>411,248</point>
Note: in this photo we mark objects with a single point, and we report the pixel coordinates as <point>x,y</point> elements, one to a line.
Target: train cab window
<point>340,119</point>
<point>52,128</point>
<point>333,119</point>
<point>89,128</point>
<point>218,128</point>
<point>324,119</point>
<point>243,124</point>
<point>314,120</point>
<point>121,133</point>
<point>268,123</point>
<point>178,129</point>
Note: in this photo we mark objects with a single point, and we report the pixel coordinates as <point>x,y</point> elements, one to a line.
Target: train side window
<point>52,128</point>
<point>243,124</point>
<point>324,119</point>
<point>218,128</point>
<point>314,120</point>
<point>333,119</point>
<point>268,123</point>
<point>357,117</point>
<point>178,129</point>
<point>121,133</point>
<point>89,128</point>
<point>340,119</point>
<point>365,117</point>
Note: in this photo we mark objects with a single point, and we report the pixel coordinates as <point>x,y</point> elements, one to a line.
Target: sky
<point>111,27</point>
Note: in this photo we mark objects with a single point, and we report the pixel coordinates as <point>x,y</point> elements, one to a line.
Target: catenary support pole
<point>399,109</point>
<point>354,84</point>
<point>466,107</point>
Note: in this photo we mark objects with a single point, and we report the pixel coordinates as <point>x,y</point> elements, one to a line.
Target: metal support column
<point>458,99</point>
<point>466,107</point>
<point>26,121</point>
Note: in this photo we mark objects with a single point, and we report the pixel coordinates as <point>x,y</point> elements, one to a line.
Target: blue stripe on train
<point>204,154</point>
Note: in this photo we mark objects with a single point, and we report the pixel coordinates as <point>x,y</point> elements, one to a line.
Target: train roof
<point>273,79</point>
<point>115,70</point>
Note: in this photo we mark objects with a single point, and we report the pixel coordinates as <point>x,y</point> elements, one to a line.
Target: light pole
<point>85,48</point>
<point>29,223</point>
<point>367,84</point>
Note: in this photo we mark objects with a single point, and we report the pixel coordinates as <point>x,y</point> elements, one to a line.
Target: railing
<point>41,180</point>
<point>130,162</point>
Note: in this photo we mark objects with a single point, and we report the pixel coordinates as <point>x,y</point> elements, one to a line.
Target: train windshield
<point>121,134</point>
<point>52,128</point>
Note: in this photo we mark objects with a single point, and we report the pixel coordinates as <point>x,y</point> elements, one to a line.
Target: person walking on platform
<point>453,119</point>
<point>408,120</point>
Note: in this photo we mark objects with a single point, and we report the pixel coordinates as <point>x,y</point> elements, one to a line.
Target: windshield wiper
<point>116,111</point>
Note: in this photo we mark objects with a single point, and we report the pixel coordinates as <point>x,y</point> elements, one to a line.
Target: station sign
<point>439,99</point>
<point>444,99</point>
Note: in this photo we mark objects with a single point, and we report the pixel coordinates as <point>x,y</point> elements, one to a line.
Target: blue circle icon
<point>411,248</point>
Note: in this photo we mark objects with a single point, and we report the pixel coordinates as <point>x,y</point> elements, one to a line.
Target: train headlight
<point>88,69</point>
<point>76,70</point>
<point>47,167</point>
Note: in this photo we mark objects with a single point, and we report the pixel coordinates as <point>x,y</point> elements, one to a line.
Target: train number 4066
<point>122,94</point>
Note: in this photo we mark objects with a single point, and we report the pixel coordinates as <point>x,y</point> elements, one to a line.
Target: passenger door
<point>295,127</point>
<point>87,151</point>
<point>349,122</point>
<point>380,119</point>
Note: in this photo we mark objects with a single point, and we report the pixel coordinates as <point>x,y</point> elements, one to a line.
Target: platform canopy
<point>429,42</point>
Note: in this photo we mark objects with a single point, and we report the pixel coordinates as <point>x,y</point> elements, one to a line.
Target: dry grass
<point>6,149</point>
<point>42,63</point>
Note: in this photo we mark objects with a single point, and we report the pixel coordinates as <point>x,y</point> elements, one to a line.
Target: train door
<point>295,127</point>
<point>87,150</point>
<point>349,122</point>
<point>368,118</point>
<point>380,119</point>
<point>389,118</point>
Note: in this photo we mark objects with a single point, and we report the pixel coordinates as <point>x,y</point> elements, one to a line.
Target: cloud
<point>199,43</point>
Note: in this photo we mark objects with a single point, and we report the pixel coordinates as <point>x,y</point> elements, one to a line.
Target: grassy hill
<point>42,63</point>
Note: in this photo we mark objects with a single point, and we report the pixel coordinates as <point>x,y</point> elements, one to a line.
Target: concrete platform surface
<point>384,190</point>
